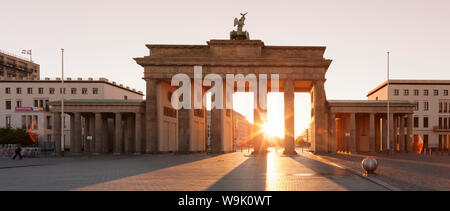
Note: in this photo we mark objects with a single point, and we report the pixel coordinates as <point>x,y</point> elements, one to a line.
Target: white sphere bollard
<point>369,165</point>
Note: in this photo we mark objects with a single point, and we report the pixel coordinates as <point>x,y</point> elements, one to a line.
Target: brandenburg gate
<point>153,125</point>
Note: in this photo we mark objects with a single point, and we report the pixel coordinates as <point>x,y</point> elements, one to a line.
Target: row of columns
<point>127,134</point>
<point>344,136</point>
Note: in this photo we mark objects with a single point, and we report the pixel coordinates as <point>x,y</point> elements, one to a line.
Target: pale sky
<point>100,38</point>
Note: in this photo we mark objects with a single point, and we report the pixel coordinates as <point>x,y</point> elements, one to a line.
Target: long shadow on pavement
<point>337,175</point>
<point>71,175</point>
<point>248,176</point>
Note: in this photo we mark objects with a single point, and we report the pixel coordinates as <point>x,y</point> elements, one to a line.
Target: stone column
<point>77,133</point>
<point>151,120</point>
<point>320,119</point>
<point>98,139</point>
<point>395,122</point>
<point>106,137</point>
<point>128,142</point>
<point>137,133</point>
<point>72,133</point>
<point>372,133</point>
<point>384,134</point>
<point>184,129</point>
<point>222,126</point>
<point>91,133</point>
<point>257,137</point>
<point>392,146</point>
<point>401,139</point>
<point>118,134</point>
<point>289,130</point>
<point>352,132</point>
<point>332,132</point>
<point>409,137</point>
<point>57,132</point>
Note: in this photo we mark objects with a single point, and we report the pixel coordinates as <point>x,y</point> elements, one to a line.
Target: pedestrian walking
<point>17,152</point>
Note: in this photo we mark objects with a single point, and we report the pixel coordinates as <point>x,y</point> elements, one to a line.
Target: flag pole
<point>388,119</point>
<point>62,101</point>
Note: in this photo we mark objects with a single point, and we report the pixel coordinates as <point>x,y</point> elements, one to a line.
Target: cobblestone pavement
<point>404,171</point>
<point>231,171</point>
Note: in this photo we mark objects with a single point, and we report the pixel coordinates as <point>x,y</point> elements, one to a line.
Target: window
<point>125,97</point>
<point>425,141</point>
<point>406,92</point>
<point>416,106</point>
<point>440,122</point>
<point>425,122</point>
<point>51,91</point>
<point>49,120</point>
<point>440,107</point>
<point>46,106</point>
<point>35,122</point>
<point>95,91</point>
<point>8,105</point>
<point>445,92</point>
<point>41,90</point>
<point>416,122</point>
<point>436,92</point>
<point>73,91</point>
<point>41,103</point>
<point>24,122</point>
<point>425,105</point>
<point>19,90</point>
<point>84,91</point>
<point>396,92</point>
<point>425,92</point>
<point>416,92</point>
<point>19,103</point>
<point>445,123</point>
<point>376,98</point>
<point>36,103</point>
<point>7,90</point>
<point>8,121</point>
<point>30,90</point>
<point>445,107</point>
<point>61,91</point>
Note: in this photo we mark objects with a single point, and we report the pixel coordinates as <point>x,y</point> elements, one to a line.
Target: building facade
<point>25,103</point>
<point>431,118</point>
<point>242,130</point>
<point>13,67</point>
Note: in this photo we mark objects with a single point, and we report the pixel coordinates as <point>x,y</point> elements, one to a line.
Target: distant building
<point>23,103</point>
<point>242,130</point>
<point>13,67</point>
<point>431,118</point>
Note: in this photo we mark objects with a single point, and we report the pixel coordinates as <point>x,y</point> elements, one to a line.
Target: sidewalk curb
<point>341,166</point>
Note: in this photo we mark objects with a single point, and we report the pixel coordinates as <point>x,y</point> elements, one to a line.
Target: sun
<point>270,130</point>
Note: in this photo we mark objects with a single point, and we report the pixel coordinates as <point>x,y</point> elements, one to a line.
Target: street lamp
<point>62,102</point>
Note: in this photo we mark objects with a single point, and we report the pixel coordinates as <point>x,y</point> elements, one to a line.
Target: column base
<point>289,152</point>
<point>96,153</point>
<point>116,153</point>
<point>136,153</point>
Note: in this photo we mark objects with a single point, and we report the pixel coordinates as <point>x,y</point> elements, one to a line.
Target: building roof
<point>408,82</point>
<point>99,101</point>
<point>78,80</point>
<point>368,101</point>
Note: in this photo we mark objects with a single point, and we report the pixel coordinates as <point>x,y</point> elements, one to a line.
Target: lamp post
<point>388,122</point>
<point>62,102</point>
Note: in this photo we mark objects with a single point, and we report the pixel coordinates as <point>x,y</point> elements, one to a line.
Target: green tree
<point>15,136</point>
